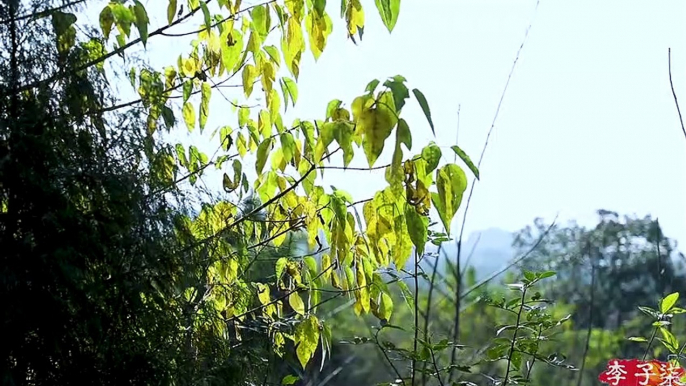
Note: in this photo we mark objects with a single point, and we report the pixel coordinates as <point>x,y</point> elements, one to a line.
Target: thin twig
<point>471,189</point>
<point>590,316</point>
<point>676,102</point>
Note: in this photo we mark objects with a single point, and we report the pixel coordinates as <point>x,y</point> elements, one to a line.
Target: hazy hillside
<point>487,251</point>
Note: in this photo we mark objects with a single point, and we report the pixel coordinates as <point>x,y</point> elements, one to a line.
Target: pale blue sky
<point>588,121</point>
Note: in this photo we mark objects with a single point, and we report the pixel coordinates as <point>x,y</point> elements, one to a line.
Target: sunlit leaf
<point>306,339</point>
<point>296,303</point>
<point>451,182</point>
<point>206,91</point>
<point>189,116</point>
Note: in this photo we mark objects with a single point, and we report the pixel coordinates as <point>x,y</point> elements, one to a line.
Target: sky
<point>588,121</point>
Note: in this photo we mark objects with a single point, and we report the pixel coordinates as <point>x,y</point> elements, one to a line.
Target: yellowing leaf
<point>249,75</point>
<point>432,155</point>
<point>262,154</point>
<point>189,116</point>
<point>318,27</point>
<point>205,92</point>
<point>354,16</point>
<point>264,124</point>
<point>376,124</point>
<point>241,145</point>
<point>296,303</point>
<point>232,46</point>
<point>106,21</point>
<point>268,76</point>
<point>306,339</point>
<point>451,183</point>
<point>293,46</point>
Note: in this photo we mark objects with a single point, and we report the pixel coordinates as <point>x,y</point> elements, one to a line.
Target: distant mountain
<point>488,251</point>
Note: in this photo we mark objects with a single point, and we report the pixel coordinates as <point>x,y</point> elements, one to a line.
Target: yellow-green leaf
<point>290,90</point>
<point>262,154</point>
<point>318,27</point>
<point>376,124</point>
<point>417,227</point>
<point>451,182</point>
<point>171,11</point>
<point>142,21</point>
<point>106,21</point>
<point>296,303</point>
<point>292,46</point>
<point>249,75</point>
<point>232,46</point>
<point>306,339</point>
<point>264,123</point>
<point>189,116</point>
<point>432,155</point>
<point>668,302</point>
<point>205,93</point>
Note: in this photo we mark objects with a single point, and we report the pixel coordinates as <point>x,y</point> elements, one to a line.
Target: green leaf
<point>425,108</point>
<point>205,93</point>
<point>432,155</point>
<point>206,16</point>
<point>187,90</point>
<point>263,154</point>
<point>124,17</point>
<point>289,89</point>
<point>142,21</point>
<point>280,266</point>
<point>260,20</point>
<point>332,106</point>
<point>306,339</point>
<point>296,303</point>
<point>343,134</point>
<point>181,154</point>
<point>468,161</point>
<point>106,21</point>
<point>399,90</point>
<point>289,380</point>
<point>171,11</point>
<point>371,86</point>
<point>404,134</point>
<point>417,227</point>
<point>189,116</point>
<point>451,183</point>
<point>388,9</point>
<point>273,53</point>
<point>668,302</point>
<point>637,339</point>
